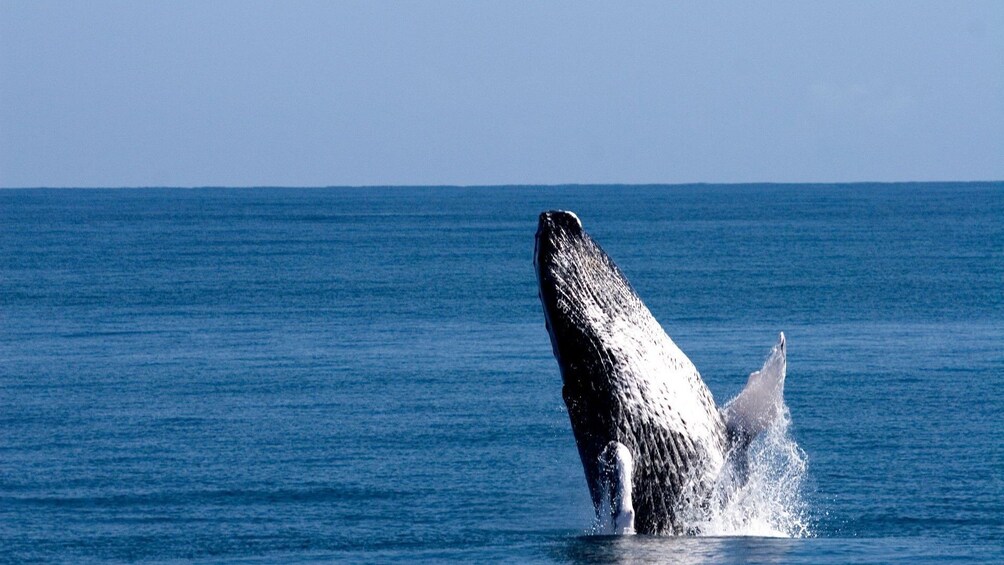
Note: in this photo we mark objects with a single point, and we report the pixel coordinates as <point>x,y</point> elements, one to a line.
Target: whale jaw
<point>625,382</point>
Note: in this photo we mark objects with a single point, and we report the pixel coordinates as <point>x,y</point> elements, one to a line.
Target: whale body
<point>652,441</point>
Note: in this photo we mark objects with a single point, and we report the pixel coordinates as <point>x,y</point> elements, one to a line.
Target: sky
<point>304,93</point>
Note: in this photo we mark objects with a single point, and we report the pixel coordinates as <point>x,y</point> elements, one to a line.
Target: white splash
<point>769,503</point>
<point>759,491</point>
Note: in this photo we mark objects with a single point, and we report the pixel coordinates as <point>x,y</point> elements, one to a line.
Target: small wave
<point>325,494</point>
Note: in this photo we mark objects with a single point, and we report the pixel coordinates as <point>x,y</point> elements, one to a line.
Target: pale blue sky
<point>331,93</point>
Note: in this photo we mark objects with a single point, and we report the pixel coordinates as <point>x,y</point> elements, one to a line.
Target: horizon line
<point>513,185</point>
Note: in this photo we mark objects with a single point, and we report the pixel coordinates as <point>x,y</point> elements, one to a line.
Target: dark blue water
<point>364,374</point>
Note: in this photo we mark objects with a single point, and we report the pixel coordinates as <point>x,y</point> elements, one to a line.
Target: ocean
<point>363,374</point>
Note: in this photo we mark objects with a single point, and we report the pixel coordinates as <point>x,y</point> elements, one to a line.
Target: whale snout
<point>556,232</point>
<point>555,221</point>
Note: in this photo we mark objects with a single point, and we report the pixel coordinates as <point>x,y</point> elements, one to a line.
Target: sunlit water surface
<point>364,375</point>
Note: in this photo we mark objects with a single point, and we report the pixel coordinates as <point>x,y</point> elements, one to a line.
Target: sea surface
<point>363,374</point>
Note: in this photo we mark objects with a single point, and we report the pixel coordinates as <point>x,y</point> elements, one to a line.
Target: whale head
<point>571,269</point>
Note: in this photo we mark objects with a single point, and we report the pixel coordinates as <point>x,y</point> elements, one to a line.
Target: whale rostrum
<point>652,441</point>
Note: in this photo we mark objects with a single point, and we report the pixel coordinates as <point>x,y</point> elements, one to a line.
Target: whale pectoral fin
<point>616,512</point>
<point>760,402</point>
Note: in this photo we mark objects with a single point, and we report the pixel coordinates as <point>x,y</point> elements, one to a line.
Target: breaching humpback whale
<point>652,441</point>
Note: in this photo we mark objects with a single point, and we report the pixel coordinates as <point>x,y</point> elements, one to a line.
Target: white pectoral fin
<point>616,514</point>
<point>759,404</point>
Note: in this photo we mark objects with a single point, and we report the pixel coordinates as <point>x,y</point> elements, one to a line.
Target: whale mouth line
<point>660,457</point>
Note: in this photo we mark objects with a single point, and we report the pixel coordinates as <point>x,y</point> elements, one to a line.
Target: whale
<point>655,447</point>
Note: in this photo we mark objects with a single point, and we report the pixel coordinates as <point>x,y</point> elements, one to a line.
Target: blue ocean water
<point>363,374</point>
